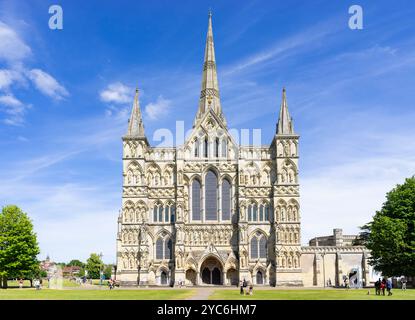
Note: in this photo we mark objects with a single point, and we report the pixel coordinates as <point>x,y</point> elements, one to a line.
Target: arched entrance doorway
<point>163,278</point>
<point>211,271</point>
<point>232,277</point>
<point>259,277</point>
<point>190,277</point>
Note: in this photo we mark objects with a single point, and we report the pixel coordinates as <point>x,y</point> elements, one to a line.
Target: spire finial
<point>209,95</point>
<point>210,13</point>
<point>284,125</point>
<point>135,123</point>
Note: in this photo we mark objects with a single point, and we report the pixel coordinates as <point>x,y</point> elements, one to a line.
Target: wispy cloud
<point>14,53</point>
<point>12,48</point>
<point>14,109</point>
<point>304,41</point>
<point>47,84</point>
<point>8,77</point>
<point>118,93</point>
<point>158,109</point>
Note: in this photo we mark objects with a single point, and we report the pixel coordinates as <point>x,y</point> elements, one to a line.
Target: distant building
<point>338,239</point>
<point>70,271</point>
<point>47,264</point>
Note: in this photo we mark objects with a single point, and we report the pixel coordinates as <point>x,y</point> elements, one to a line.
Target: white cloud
<point>302,41</point>
<point>156,110</point>
<point>12,48</point>
<point>13,108</point>
<point>8,77</point>
<point>117,92</point>
<point>47,84</point>
<point>10,101</point>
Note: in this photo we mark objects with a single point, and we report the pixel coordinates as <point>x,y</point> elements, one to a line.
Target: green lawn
<point>104,294</point>
<point>312,294</point>
<point>26,283</point>
<point>218,294</point>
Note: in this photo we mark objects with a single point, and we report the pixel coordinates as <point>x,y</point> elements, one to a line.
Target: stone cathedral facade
<point>211,211</point>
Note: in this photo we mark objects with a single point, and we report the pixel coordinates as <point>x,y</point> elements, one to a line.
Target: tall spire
<point>209,94</point>
<point>285,122</point>
<point>135,124</point>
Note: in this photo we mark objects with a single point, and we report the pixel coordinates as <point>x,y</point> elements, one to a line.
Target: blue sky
<point>65,96</point>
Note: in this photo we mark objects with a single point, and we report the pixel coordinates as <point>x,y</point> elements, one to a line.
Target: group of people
<point>111,283</point>
<point>37,283</point>
<point>245,289</point>
<point>381,285</point>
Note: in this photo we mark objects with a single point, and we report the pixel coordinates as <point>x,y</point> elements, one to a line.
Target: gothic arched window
<point>262,247</point>
<point>211,196</point>
<point>172,214</point>
<point>159,248</point>
<point>166,213</point>
<point>206,147</point>
<point>263,212</point>
<point>196,147</point>
<point>258,246</point>
<point>167,248</point>
<point>163,248</point>
<point>158,213</point>
<point>226,200</point>
<point>224,147</point>
<point>217,147</point>
<point>254,248</point>
<point>196,200</point>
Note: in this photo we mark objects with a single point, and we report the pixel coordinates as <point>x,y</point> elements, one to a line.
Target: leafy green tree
<point>76,263</point>
<point>94,265</point>
<point>81,272</point>
<point>391,234</point>
<point>108,271</point>
<point>18,245</point>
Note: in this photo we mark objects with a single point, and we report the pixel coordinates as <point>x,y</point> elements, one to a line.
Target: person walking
<point>346,282</point>
<point>37,284</point>
<point>382,286</point>
<point>403,281</point>
<point>377,287</point>
<point>241,291</point>
<point>389,287</point>
<point>20,283</point>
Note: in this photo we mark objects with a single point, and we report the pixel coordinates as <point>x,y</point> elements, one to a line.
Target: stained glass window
<point>196,200</point>
<point>226,200</point>
<point>211,187</point>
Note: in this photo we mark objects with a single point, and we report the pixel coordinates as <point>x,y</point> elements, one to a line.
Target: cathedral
<point>213,212</point>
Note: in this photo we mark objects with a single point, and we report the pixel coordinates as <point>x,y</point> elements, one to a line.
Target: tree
<point>94,265</point>
<point>108,271</point>
<point>18,245</point>
<point>76,263</point>
<point>391,234</point>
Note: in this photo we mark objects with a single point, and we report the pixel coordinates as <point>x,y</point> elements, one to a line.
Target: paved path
<point>201,294</point>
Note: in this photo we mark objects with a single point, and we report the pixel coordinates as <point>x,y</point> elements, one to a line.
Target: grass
<point>180,294</point>
<point>104,294</point>
<point>26,283</point>
<point>312,294</point>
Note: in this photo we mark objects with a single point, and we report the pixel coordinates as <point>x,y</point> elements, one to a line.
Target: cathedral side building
<point>215,212</point>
